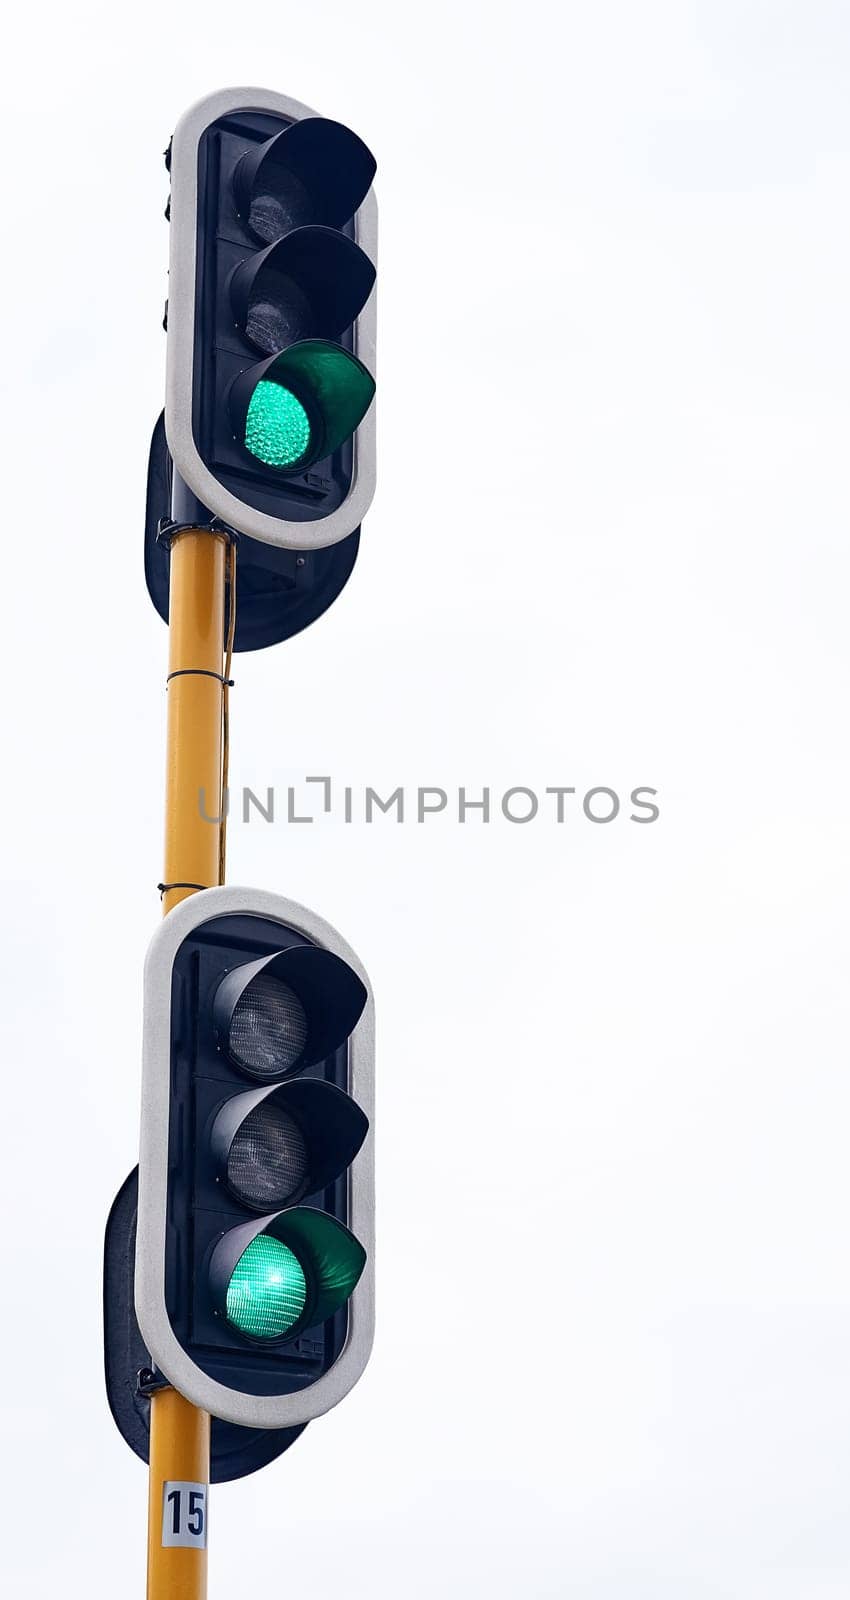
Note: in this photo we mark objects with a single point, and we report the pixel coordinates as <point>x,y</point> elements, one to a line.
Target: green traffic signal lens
<point>277,428</point>
<point>301,405</point>
<point>267,1291</point>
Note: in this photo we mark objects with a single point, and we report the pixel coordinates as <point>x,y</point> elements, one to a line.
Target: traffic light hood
<point>329,1257</point>
<point>329,1129</point>
<point>330,388</point>
<point>310,284</point>
<point>330,1000</point>
<point>314,171</point>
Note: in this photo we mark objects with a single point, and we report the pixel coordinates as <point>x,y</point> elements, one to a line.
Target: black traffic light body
<point>212,1214</point>
<point>269,423</point>
<point>255,1226</point>
<point>271,319</point>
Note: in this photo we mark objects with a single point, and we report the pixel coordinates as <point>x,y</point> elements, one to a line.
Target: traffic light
<point>271,320</point>
<point>255,1209</point>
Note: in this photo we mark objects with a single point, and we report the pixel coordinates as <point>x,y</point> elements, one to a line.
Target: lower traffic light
<point>254,1253</point>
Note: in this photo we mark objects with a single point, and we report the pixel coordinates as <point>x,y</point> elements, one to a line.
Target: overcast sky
<point>609,548</point>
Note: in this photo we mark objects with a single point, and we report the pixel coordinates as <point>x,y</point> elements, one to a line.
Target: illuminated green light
<point>277,428</point>
<point>267,1291</point>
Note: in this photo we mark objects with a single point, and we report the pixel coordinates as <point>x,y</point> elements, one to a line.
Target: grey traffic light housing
<point>187,1215</point>
<point>310,241</point>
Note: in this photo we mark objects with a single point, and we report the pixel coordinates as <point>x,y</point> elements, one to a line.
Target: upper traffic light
<point>253,1260</point>
<point>271,320</point>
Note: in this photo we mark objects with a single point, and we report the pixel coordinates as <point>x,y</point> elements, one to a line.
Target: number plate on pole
<point>184,1515</point>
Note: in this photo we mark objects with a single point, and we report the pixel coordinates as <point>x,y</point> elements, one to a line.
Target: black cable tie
<point>200,672</point>
<point>164,887</point>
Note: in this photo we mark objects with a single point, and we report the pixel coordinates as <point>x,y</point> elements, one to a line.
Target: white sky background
<point>610,546</point>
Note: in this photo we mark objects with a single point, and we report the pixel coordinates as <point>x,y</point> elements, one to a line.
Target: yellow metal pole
<point>180,1453</point>
<point>180,1434</point>
<point>193,750</point>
